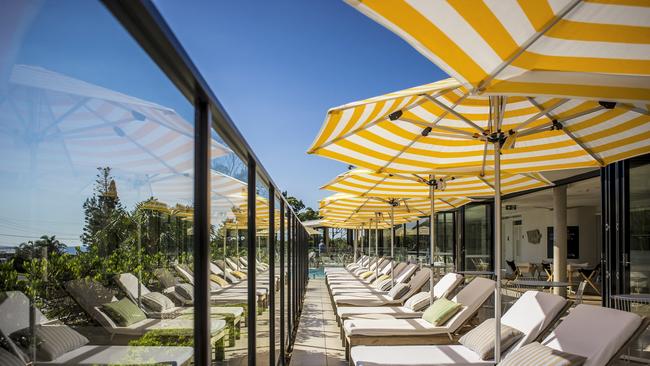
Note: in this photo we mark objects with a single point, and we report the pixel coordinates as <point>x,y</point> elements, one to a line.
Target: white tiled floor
<point>318,341</point>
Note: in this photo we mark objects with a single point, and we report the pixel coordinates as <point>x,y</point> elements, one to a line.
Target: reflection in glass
<point>478,236</point>
<point>639,227</point>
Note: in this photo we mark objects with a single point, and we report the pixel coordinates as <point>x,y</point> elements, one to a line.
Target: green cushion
<point>124,312</point>
<point>441,311</point>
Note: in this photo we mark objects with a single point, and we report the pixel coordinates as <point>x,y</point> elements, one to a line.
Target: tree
<point>309,214</point>
<point>100,211</point>
<point>304,213</point>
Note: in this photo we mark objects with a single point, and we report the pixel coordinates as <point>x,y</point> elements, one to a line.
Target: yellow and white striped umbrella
<point>595,49</point>
<point>368,207</point>
<point>440,128</point>
<point>366,183</point>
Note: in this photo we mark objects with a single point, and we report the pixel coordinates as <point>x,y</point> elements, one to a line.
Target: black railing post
<point>252,289</point>
<point>282,284</point>
<point>201,244</point>
<point>272,275</point>
<point>289,273</point>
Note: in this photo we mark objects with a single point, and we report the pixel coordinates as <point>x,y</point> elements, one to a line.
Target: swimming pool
<point>316,273</point>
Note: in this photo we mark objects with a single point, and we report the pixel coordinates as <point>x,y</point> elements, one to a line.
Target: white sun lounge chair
<point>403,273</point>
<point>14,316</point>
<point>356,272</point>
<point>91,295</point>
<point>419,331</point>
<point>445,286</point>
<point>415,284</point>
<point>231,314</point>
<point>354,281</point>
<point>533,314</point>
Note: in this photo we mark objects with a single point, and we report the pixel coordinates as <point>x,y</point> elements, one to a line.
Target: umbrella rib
<point>634,108</point>
<point>78,105</point>
<point>447,202</point>
<point>394,157</point>
<point>486,182</point>
<point>542,112</point>
<point>366,126</point>
<point>454,112</point>
<point>374,186</point>
<point>483,83</point>
<point>573,137</point>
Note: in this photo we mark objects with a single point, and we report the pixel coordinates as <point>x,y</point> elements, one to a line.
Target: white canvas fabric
<point>593,332</point>
<point>120,355</point>
<point>531,314</point>
<point>446,284</point>
<point>418,301</point>
<point>397,312</point>
<point>452,355</point>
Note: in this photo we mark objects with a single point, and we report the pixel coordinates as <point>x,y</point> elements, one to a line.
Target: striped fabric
<point>482,338</point>
<point>589,49</point>
<point>344,207</point>
<point>362,182</point>
<point>53,341</point>
<point>87,126</point>
<point>535,354</point>
<point>441,128</point>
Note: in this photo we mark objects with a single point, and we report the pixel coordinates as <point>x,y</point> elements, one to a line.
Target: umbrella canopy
<point>81,125</point>
<point>440,128</point>
<point>569,48</point>
<point>366,183</point>
<point>368,207</point>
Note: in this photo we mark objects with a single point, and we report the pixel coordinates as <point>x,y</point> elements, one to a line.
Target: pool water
<point>316,273</point>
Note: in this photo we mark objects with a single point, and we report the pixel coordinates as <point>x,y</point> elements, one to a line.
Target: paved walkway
<point>318,341</point>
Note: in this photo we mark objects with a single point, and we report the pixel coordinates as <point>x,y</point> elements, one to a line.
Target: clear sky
<point>278,66</point>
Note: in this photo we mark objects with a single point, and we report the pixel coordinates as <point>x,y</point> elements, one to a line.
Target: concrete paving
<point>318,341</point>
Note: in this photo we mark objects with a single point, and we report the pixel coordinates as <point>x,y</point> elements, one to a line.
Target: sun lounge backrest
<point>386,269</point>
<point>90,295</point>
<point>231,264</point>
<point>446,284</point>
<point>399,267</point>
<point>129,284</point>
<point>165,277</point>
<point>14,312</point>
<point>416,283</point>
<point>215,269</point>
<point>531,314</point>
<point>593,332</point>
<point>185,273</point>
<point>406,273</point>
<point>471,297</point>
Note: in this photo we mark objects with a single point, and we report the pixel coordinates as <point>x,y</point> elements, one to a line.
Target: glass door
<point>637,257</point>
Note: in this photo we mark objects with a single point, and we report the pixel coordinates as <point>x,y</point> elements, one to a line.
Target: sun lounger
<point>445,286</point>
<point>17,304</point>
<point>415,284</point>
<point>599,334</point>
<point>534,314</point>
<point>91,295</point>
<point>232,315</point>
<point>420,331</point>
<point>403,274</point>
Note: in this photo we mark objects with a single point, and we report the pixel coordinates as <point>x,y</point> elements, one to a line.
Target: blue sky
<point>278,66</point>
<point>275,66</point>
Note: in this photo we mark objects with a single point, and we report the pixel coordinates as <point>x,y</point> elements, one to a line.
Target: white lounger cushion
<point>366,300</point>
<point>593,332</point>
<point>121,355</point>
<point>471,297</point>
<point>446,284</point>
<point>415,356</point>
<point>345,312</point>
<point>531,314</point>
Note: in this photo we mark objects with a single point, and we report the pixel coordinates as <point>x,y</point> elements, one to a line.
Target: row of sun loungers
<point>398,332</point>
<point>164,318</point>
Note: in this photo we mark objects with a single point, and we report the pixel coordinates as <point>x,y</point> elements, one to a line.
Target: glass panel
<point>261,267</point>
<point>445,239</point>
<point>229,210</point>
<point>96,185</point>
<point>639,227</point>
<point>278,269</point>
<point>478,238</point>
<point>410,241</point>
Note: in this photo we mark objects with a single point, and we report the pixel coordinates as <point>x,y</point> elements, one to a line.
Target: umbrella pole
<point>354,248</point>
<point>432,234</point>
<point>225,237</point>
<point>497,250</point>
<point>139,262</point>
<point>392,238</point>
<point>377,245</point>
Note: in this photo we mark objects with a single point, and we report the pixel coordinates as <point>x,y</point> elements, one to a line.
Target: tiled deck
<point>317,341</point>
